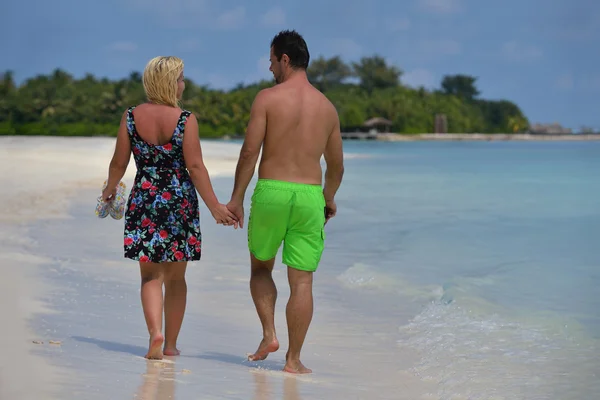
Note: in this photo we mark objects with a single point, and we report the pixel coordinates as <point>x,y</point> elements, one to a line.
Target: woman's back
<point>156,133</point>
<point>156,123</point>
<point>162,222</point>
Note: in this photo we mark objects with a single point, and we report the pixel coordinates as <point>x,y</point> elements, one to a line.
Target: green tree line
<point>59,104</point>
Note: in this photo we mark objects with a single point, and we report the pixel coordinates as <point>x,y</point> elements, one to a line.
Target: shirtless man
<point>295,125</point>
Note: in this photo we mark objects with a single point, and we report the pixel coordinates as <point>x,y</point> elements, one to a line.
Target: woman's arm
<point>120,160</point>
<point>192,153</point>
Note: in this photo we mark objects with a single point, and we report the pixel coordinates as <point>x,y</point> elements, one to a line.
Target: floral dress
<point>162,219</point>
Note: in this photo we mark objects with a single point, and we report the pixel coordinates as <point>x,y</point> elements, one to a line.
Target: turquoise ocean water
<point>493,247</point>
<point>515,224</point>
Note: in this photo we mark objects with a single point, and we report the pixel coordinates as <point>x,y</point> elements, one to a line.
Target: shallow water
<point>453,270</point>
<point>500,238</point>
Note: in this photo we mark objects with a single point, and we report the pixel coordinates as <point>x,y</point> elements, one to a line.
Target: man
<point>295,125</point>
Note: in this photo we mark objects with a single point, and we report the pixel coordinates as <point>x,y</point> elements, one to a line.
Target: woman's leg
<point>152,303</point>
<point>175,300</point>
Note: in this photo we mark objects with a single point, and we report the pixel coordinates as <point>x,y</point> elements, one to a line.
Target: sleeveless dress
<point>162,218</point>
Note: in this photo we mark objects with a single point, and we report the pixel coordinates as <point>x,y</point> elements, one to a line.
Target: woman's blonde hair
<point>160,80</point>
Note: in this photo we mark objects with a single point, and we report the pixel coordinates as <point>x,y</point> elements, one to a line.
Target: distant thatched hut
<point>378,124</point>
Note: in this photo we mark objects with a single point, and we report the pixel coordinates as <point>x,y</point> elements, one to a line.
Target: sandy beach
<point>43,177</point>
<point>78,323</point>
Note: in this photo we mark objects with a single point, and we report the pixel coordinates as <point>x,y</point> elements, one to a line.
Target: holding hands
<point>224,216</point>
<point>237,208</point>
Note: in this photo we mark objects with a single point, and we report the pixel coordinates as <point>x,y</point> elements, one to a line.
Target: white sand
<point>41,177</point>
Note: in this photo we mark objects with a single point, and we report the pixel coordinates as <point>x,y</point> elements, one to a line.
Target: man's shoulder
<point>328,105</point>
<point>264,97</point>
<point>266,92</point>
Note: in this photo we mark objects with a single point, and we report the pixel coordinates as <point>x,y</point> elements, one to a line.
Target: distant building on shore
<point>440,123</point>
<point>377,125</point>
<point>549,129</point>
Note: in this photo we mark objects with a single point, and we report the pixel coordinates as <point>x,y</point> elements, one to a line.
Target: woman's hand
<point>109,193</point>
<point>223,216</point>
<point>237,208</point>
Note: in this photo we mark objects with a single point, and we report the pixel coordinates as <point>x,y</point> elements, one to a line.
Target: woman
<point>162,222</point>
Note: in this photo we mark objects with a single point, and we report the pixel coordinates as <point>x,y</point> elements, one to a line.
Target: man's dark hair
<point>293,44</point>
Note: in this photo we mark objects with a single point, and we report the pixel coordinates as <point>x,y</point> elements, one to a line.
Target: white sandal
<point>115,207</point>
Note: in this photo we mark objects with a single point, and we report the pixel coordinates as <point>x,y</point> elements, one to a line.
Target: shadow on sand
<point>212,356</point>
<point>113,346</point>
<point>159,380</point>
<point>240,360</point>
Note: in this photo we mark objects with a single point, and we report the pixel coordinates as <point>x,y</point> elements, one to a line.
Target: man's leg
<point>264,295</point>
<point>302,250</point>
<point>175,301</point>
<point>299,312</point>
<point>267,226</point>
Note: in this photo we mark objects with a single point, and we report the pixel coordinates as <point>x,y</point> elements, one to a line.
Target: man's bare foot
<point>296,367</point>
<point>171,351</point>
<point>264,348</point>
<point>155,347</point>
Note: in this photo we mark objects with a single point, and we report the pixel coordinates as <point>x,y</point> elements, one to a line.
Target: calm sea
<point>493,246</point>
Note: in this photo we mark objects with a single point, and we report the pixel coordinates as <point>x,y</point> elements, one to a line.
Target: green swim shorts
<point>292,213</point>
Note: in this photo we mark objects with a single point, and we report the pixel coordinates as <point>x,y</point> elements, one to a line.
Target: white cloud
<point>220,81</point>
<point>188,45</point>
<point>583,83</point>
<point>519,52</point>
<point>184,13</point>
<point>397,24</point>
<point>262,71</point>
<point>274,17</point>
<point>344,47</point>
<point>440,6</point>
<point>123,46</point>
<point>440,47</point>
<point>231,19</point>
<point>595,83</point>
<point>263,65</point>
<point>590,83</point>
<point>565,82</point>
<point>419,77</point>
<point>195,74</point>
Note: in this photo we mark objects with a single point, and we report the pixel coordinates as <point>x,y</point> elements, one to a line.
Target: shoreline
<point>54,276</point>
<point>527,137</point>
<point>379,137</point>
<point>426,340</point>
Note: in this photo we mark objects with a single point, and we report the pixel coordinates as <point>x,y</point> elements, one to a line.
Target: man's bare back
<point>300,120</point>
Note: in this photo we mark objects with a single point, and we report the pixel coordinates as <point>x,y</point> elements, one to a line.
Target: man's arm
<point>334,158</point>
<point>255,135</point>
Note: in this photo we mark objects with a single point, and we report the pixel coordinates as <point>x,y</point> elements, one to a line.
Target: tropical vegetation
<point>60,104</point>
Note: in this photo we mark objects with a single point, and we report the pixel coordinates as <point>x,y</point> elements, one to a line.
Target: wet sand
<point>65,269</point>
<point>41,177</point>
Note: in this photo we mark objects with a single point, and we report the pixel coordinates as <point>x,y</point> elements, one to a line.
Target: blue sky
<point>542,54</point>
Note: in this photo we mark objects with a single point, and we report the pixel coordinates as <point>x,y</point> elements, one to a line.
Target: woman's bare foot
<point>171,351</point>
<point>265,347</point>
<point>296,367</point>
<point>155,347</point>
